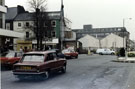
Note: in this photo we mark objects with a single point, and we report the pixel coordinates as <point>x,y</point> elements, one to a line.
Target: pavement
<point>125,60</point>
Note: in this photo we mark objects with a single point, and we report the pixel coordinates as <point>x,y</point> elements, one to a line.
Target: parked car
<point>40,64</point>
<point>70,53</point>
<point>105,52</point>
<point>58,52</point>
<point>11,58</point>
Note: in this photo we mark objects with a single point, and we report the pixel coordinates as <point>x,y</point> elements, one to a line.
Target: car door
<point>50,61</point>
<point>57,61</point>
<point>14,59</point>
<point>107,51</point>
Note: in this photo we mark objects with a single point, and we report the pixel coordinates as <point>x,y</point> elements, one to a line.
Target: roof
<point>11,13</point>
<point>30,16</point>
<point>25,17</point>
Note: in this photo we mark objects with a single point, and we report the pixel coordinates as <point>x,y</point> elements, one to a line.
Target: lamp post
<point>124,44</point>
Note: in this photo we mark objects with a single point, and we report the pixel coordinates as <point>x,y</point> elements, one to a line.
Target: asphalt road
<point>86,72</point>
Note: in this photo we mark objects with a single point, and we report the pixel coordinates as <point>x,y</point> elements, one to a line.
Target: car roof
<point>40,52</point>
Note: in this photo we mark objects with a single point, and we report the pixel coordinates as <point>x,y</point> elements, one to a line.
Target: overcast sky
<point>99,13</point>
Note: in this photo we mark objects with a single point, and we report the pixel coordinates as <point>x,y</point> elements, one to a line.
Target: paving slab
<point>125,60</point>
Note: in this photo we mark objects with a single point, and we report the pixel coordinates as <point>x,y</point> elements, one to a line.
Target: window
<point>53,34</point>
<point>19,24</point>
<point>1,20</point>
<point>8,26</point>
<point>45,24</point>
<point>1,2</point>
<point>50,56</point>
<point>19,54</point>
<point>27,34</point>
<point>27,24</point>
<point>53,23</point>
<point>33,57</point>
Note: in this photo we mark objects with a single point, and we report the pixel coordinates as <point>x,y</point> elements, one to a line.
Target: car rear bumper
<point>28,73</point>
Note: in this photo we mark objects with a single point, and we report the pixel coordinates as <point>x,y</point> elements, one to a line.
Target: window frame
<point>52,23</point>
<point>19,24</point>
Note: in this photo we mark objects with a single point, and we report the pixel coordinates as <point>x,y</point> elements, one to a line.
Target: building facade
<point>5,34</point>
<point>101,32</point>
<point>111,41</point>
<point>51,36</point>
<point>3,10</point>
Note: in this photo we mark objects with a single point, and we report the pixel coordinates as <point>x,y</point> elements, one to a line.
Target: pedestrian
<point>21,49</point>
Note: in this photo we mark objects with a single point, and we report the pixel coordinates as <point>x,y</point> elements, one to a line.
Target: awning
<point>9,33</point>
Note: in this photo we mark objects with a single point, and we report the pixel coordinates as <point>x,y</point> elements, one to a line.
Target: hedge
<point>131,54</point>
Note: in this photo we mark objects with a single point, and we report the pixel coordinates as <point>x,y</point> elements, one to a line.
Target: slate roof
<point>11,13</point>
<point>29,16</point>
<point>24,17</point>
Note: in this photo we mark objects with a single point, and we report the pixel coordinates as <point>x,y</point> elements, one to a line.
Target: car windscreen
<point>11,54</point>
<point>33,57</point>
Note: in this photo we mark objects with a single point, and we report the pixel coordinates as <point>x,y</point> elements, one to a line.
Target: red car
<point>11,58</point>
<point>39,64</point>
<point>70,53</point>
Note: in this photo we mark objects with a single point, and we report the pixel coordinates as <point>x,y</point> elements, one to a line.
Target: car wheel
<point>76,56</point>
<point>100,53</point>
<point>112,53</point>
<point>63,70</point>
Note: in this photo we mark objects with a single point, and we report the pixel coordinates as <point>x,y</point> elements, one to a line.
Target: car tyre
<point>76,56</point>
<point>100,53</point>
<point>63,70</point>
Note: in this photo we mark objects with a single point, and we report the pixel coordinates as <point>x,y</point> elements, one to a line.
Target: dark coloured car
<point>11,58</point>
<point>39,64</point>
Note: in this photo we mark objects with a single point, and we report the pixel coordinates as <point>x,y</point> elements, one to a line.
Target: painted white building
<point>89,41</point>
<point>23,27</point>
<point>112,41</point>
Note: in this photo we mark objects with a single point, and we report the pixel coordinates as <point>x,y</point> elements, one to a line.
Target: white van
<point>105,51</point>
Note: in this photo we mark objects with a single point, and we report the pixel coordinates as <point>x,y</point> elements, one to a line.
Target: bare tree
<point>40,4</point>
<point>41,19</point>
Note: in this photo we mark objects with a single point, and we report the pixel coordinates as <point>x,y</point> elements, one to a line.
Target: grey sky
<point>99,13</point>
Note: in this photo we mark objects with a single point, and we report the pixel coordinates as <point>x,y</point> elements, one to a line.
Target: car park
<point>70,53</point>
<point>11,58</point>
<point>105,52</point>
<point>39,64</point>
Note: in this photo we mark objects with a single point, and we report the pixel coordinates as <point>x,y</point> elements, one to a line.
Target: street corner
<point>124,60</point>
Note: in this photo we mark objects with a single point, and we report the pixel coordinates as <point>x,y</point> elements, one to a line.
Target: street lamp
<point>124,36</point>
<point>123,29</point>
